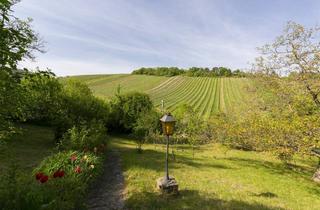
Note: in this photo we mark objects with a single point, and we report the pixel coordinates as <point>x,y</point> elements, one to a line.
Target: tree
<point>17,42</point>
<point>18,39</point>
<point>126,110</point>
<point>189,125</point>
<point>146,127</point>
<point>296,53</point>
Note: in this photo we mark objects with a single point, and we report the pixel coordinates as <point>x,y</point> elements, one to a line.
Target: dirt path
<point>107,191</point>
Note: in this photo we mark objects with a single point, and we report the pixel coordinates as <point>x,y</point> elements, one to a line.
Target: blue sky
<point>117,36</point>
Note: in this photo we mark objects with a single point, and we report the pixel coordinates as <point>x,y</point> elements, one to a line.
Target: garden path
<point>107,192</point>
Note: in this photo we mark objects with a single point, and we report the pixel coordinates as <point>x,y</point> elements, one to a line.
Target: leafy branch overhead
<point>296,53</point>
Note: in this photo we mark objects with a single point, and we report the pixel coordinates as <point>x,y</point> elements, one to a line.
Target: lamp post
<point>167,184</point>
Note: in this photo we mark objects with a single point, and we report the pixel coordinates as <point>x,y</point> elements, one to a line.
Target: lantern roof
<point>167,118</point>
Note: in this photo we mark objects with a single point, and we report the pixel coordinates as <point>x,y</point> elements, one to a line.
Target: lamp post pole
<point>167,161</point>
<point>167,184</point>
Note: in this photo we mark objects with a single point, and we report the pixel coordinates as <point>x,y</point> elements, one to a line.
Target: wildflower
<point>92,166</point>
<point>77,170</point>
<point>61,174</point>
<point>39,175</point>
<point>58,173</point>
<point>73,158</point>
<point>44,179</point>
<point>85,157</point>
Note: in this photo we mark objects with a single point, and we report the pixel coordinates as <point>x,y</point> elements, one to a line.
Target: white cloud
<point>85,37</point>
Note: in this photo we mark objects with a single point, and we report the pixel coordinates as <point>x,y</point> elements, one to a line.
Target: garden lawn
<point>217,178</point>
<point>28,149</point>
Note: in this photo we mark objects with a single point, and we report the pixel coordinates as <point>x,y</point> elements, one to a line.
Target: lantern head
<point>168,123</point>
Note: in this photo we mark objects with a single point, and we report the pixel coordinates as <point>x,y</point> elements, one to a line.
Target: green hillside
<point>207,95</point>
<point>105,86</point>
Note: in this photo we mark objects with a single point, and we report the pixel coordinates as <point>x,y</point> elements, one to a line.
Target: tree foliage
<point>296,53</point>
<point>192,72</point>
<point>126,110</point>
<point>146,128</point>
<point>18,41</point>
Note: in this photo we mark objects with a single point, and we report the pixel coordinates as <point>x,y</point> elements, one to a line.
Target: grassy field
<point>27,150</point>
<point>206,95</point>
<point>105,86</point>
<point>216,178</point>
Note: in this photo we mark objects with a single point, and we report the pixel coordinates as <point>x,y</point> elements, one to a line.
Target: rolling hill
<point>207,95</point>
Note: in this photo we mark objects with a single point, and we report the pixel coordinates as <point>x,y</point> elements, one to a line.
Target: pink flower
<point>77,170</point>
<point>73,158</point>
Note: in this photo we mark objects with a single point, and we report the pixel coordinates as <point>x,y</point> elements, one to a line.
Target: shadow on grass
<point>155,160</point>
<point>266,195</point>
<point>187,199</point>
<point>274,167</point>
<point>294,171</point>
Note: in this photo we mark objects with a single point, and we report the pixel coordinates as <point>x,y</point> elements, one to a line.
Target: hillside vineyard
<point>207,95</point>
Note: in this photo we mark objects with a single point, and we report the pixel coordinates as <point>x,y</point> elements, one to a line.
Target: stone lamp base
<point>316,176</point>
<point>167,186</point>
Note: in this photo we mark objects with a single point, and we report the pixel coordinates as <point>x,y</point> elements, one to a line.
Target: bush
<point>64,178</point>
<point>60,182</point>
<point>87,136</point>
<point>146,127</point>
<point>127,108</point>
<point>42,94</point>
<point>82,166</point>
<point>81,105</point>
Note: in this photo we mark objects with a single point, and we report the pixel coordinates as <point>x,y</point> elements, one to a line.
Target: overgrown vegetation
<point>78,118</point>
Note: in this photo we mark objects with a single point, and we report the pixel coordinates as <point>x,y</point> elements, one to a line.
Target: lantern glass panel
<point>168,128</point>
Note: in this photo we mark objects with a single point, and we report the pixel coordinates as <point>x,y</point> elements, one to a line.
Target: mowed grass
<point>105,86</point>
<point>217,178</point>
<point>206,95</point>
<point>28,149</point>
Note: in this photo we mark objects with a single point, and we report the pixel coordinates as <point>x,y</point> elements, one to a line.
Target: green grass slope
<point>27,149</point>
<point>206,95</point>
<point>105,86</point>
<point>216,178</point>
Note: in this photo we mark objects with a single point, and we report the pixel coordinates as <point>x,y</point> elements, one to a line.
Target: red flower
<point>73,158</point>
<point>77,170</point>
<point>61,174</point>
<point>44,179</point>
<point>58,173</point>
<point>39,175</point>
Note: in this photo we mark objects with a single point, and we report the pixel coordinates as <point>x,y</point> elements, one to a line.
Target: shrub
<point>146,127</point>
<point>73,164</point>
<point>64,178</point>
<point>127,108</point>
<point>42,97</point>
<point>81,105</point>
<point>87,136</point>
<point>19,190</point>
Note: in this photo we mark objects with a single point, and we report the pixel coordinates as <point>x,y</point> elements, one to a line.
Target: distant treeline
<point>192,72</point>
